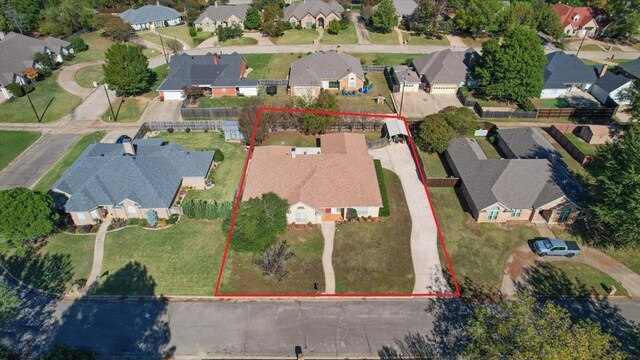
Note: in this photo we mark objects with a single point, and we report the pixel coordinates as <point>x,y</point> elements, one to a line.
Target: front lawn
<point>478,251</point>
<point>591,47</point>
<point>242,276</point>
<point>413,39</point>
<point>385,59</point>
<point>227,175</point>
<point>160,74</point>
<point>181,260</point>
<point>87,75</point>
<point>375,257</point>
<point>270,66</point>
<point>18,110</point>
<point>181,32</point>
<point>239,41</point>
<point>13,143</point>
<point>223,101</point>
<point>346,36</point>
<point>384,39</point>
<point>56,171</point>
<point>97,46</point>
<point>591,62</point>
<point>130,110</point>
<point>296,37</point>
<point>587,149</point>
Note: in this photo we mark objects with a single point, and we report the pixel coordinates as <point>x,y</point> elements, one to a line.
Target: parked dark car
<point>272,90</point>
<point>123,139</point>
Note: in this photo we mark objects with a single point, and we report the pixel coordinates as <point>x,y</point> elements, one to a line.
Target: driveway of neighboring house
<point>31,165</point>
<point>361,30</point>
<point>67,79</point>
<point>92,107</point>
<point>424,233</point>
<point>419,104</point>
<point>161,111</point>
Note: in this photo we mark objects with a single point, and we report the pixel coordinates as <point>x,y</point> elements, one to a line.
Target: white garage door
<point>444,89</point>
<point>173,95</point>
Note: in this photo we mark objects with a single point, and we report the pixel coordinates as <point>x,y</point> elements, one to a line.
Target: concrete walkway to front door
<point>424,233</point>
<point>328,231</point>
<point>98,255</point>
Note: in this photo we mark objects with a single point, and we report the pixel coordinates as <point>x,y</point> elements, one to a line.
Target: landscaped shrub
<point>173,219</point>
<point>218,156</point>
<point>201,209</point>
<point>273,260</point>
<point>77,43</point>
<point>15,89</point>
<point>527,105</point>
<point>384,210</point>
<point>287,25</point>
<point>43,73</point>
<point>187,130</point>
<point>229,32</point>
<point>298,26</point>
<point>170,130</point>
<point>68,57</point>
<point>137,222</point>
<point>152,217</point>
<point>351,214</point>
<point>334,27</point>
<point>192,31</point>
<point>198,29</point>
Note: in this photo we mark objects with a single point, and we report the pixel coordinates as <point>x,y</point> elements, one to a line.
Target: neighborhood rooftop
<point>445,67</point>
<point>224,12</point>
<point>105,175</point>
<point>610,81</point>
<point>341,175</point>
<point>312,7</point>
<point>563,68</point>
<point>632,67</point>
<point>526,143</point>
<point>311,70</point>
<point>149,13</point>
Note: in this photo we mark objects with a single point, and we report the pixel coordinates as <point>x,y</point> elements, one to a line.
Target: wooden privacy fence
<point>463,99</point>
<point>210,113</point>
<point>577,113</point>
<point>502,114</point>
<point>392,82</point>
<point>202,125</point>
<point>377,143</point>
<point>573,150</point>
<point>447,182</point>
<point>269,82</point>
<point>373,68</point>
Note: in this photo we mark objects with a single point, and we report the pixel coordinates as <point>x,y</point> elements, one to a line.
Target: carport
<point>394,129</point>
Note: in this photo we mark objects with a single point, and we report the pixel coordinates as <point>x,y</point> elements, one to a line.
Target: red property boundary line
<point>456,293</point>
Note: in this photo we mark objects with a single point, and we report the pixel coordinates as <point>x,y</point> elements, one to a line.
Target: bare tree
<point>272,261</point>
<point>174,46</point>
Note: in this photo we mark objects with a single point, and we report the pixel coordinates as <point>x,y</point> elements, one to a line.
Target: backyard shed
<point>394,127</point>
<point>231,130</point>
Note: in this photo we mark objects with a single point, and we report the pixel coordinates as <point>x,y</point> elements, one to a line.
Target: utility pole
<point>35,112</point>
<point>581,42</point>
<point>115,115</point>
<point>164,52</point>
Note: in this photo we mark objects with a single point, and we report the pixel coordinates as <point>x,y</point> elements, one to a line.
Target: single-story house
<point>581,20</point>
<point>313,12</point>
<point>504,190</point>
<point>329,70</point>
<point>404,8</point>
<point>631,68</point>
<point>129,179</point>
<point>407,78</point>
<point>219,75</point>
<point>16,54</point>
<point>524,143</point>
<point>320,183</point>
<point>151,16</point>
<point>445,71</point>
<point>610,87</point>
<point>564,72</point>
<point>221,15</point>
<point>596,134</point>
<point>231,129</point>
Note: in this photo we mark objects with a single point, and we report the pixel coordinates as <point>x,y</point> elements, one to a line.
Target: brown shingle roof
<point>343,174</point>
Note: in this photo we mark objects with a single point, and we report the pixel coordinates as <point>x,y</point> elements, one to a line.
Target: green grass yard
<point>223,101</point>
<point>375,257</point>
<point>242,276</point>
<point>239,41</point>
<point>385,58</point>
<point>384,39</point>
<point>130,110</point>
<point>587,149</point>
<point>570,278</point>
<point>296,37</point>
<point>56,171</point>
<point>13,143</point>
<point>270,66</point>
<point>181,260</point>
<point>365,103</point>
<point>346,36</point>
<point>18,110</point>
<point>488,148</point>
<point>97,47</point>
<point>412,39</point>
<point>591,62</point>
<point>181,32</point>
<point>87,75</point>
<point>227,175</point>
<point>434,166</point>
<point>290,138</point>
<point>79,249</point>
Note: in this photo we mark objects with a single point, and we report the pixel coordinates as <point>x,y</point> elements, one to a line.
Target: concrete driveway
<point>424,233</point>
<point>157,110</point>
<point>31,165</point>
<point>417,105</point>
<point>92,107</point>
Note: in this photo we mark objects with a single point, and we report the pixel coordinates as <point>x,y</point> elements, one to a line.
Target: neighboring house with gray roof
<point>151,16</point>
<point>127,180</point>
<point>610,87</point>
<point>221,15</point>
<point>313,12</point>
<point>219,75</point>
<point>525,143</point>
<point>329,70</point>
<point>631,68</point>
<point>504,190</point>
<point>563,73</point>
<point>407,78</point>
<point>404,8</point>
<point>16,54</point>
<point>445,71</point>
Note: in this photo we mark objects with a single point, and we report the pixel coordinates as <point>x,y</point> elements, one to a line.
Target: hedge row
<point>201,209</point>
<point>384,210</point>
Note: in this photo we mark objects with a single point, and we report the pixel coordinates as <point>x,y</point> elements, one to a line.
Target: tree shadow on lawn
<point>132,279</point>
<point>544,279</point>
<point>49,272</point>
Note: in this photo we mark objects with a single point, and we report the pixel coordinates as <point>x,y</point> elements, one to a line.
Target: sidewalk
<point>98,255</point>
<point>328,232</point>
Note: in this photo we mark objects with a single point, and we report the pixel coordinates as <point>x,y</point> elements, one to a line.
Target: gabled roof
<point>632,68</point>
<point>446,66</point>
<point>312,69</point>
<point>200,70</point>
<point>223,13</point>
<point>403,7</point>
<point>405,73</point>
<point>342,175</point>
<point>562,69</point>
<point>17,50</point>
<point>527,142</point>
<point>513,183</point>
<point>610,82</point>
<point>103,175</point>
<point>149,13</point>
<point>312,7</point>
<point>583,14</point>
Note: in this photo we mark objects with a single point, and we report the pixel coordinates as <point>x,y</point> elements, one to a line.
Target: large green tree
<point>248,118</point>
<point>548,20</point>
<point>633,94</point>
<point>9,303</point>
<point>512,70</point>
<point>252,20</point>
<point>272,20</point>
<point>428,20</point>
<point>25,216</point>
<point>126,69</point>
<point>115,28</point>
<point>435,134</point>
<point>625,18</point>
<point>67,17</point>
<point>615,194</point>
<point>319,123</point>
<point>384,18</point>
<point>479,17</point>
<point>523,328</point>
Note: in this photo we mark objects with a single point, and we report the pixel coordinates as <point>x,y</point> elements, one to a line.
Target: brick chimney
<point>603,70</point>
<point>215,58</point>
<point>128,148</point>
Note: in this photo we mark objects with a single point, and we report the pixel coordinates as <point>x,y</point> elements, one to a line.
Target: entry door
<point>327,211</point>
